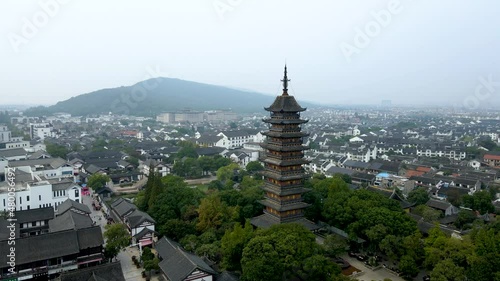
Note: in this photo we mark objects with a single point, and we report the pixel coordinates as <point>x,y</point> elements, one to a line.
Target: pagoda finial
<point>285,84</point>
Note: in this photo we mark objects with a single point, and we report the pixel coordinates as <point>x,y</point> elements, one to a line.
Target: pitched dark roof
<point>108,271</point>
<point>70,220</point>
<point>47,162</point>
<point>285,103</point>
<point>41,247</point>
<point>70,204</point>
<point>123,207</point>
<point>208,151</point>
<point>177,264</point>
<point>137,217</point>
<point>32,215</point>
<point>90,237</point>
<point>13,152</point>
<point>143,232</point>
<point>436,204</point>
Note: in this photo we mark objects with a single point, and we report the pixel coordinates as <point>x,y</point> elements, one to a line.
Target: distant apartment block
<point>196,116</point>
<point>7,141</point>
<point>41,130</point>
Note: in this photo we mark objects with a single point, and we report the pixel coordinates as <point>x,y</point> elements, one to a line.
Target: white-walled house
<point>38,194</point>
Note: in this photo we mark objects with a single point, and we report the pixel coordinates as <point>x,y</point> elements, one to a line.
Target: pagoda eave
<point>284,207</point>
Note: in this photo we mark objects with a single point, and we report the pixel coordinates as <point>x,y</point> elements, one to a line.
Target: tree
<point>232,245</point>
<point>446,270</point>
<point>213,213</point>
<point>254,166</point>
<point>480,201</point>
<point>464,218</point>
<point>56,150</point>
<point>318,267</point>
<point>428,213</point>
<point>98,180</point>
<point>117,238</point>
<point>278,253</point>
<point>147,254</point>
<point>335,245</point>
<point>419,196</point>
<point>408,266</point>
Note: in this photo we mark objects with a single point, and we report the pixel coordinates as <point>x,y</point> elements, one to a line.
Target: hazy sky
<point>338,52</point>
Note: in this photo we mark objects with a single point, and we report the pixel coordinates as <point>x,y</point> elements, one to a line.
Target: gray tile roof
<point>137,217</point>
<point>178,264</point>
<point>90,237</point>
<point>32,215</point>
<point>108,271</point>
<point>53,163</point>
<point>69,205</point>
<point>436,204</point>
<point>13,152</point>
<point>70,220</point>
<point>41,247</point>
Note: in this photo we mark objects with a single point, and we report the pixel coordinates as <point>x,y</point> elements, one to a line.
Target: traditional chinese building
<point>283,159</point>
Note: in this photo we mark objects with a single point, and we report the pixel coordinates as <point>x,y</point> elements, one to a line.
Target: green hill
<point>157,95</point>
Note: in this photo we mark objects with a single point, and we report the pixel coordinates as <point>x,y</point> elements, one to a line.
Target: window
<point>39,197</point>
<point>33,223</point>
<point>28,207</point>
<point>77,193</point>
<point>27,198</point>
<point>4,202</point>
<point>20,200</point>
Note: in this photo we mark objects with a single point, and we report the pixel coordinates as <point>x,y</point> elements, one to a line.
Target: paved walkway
<point>368,274</point>
<point>130,271</point>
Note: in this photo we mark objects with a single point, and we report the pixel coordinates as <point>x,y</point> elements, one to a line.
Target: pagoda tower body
<point>283,158</point>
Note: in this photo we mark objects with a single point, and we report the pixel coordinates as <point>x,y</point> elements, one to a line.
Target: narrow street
<point>130,271</point>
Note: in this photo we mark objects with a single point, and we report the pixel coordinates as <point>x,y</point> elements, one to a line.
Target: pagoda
<point>283,158</point>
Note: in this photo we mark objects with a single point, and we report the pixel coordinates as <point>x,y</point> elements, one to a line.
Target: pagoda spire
<point>285,81</point>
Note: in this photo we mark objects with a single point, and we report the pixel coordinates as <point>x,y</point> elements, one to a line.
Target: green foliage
<point>408,266</point>
<point>56,150</point>
<point>232,245</point>
<point>428,213</point>
<point>117,238</point>
<point>254,166</point>
<point>480,201</point>
<point>277,252</point>
<point>446,270</point>
<point>366,214</point>
<point>321,186</point>
<point>465,218</point>
<point>97,181</point>
<point>419,196</point>
<point>147,254</point>
<point>213,213</point>
<point>319,268</point>
<point>335,245</point>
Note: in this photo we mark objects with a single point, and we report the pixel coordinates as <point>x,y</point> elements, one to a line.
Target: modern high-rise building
<point>283,158</point>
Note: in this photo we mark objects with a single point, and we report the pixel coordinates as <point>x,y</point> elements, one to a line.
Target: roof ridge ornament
<point>285,81</point>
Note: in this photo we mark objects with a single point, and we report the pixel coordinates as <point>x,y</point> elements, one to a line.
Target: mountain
<point>156,95</point>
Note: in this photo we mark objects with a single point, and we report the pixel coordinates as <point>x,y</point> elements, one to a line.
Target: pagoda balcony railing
<point>284,202</point>
<point>284,130</point>
<point>277,186</point>
<point>285,217</point>
<point>284,143</point>
<point>285,116</point>
<point>285,173</point>
<point>294,157</point>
